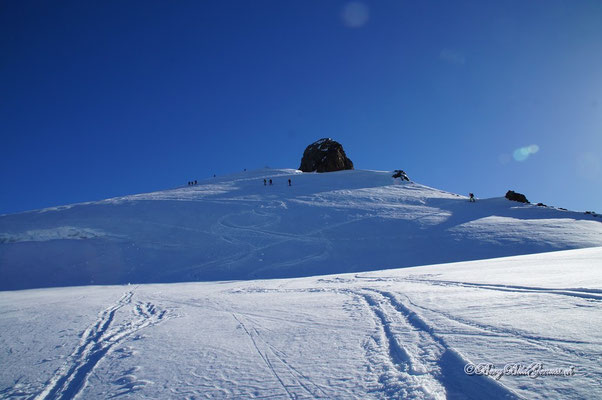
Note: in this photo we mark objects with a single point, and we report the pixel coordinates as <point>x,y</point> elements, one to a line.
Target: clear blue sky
<point>100,99</point>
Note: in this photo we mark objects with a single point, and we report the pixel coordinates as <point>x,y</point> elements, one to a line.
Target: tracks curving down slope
<point>96,342</point>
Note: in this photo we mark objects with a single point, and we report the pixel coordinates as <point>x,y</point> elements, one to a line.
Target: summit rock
<point>325,155</point>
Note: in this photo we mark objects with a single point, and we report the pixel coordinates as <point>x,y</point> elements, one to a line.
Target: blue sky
<point>100,99</point>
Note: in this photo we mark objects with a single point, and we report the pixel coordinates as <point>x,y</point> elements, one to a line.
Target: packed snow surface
<point>234,227</point>
<point>400,333</point>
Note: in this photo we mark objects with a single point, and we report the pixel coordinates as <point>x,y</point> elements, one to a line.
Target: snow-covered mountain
<point>351,324</point>
<point>235,227</point>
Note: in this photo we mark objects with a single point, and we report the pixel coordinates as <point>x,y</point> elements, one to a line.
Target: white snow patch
<point>58,233</point>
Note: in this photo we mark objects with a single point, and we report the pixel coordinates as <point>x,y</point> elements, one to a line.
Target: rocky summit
<point>325,155</point>
<point>515,196</point>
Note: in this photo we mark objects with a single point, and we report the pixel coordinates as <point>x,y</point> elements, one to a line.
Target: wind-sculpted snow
<point>236,227</point>
<point>406,333</point>
<point>58,233</point>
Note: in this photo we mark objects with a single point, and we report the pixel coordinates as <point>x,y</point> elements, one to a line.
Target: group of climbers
<point>471,197</point>
<point>265,182</point>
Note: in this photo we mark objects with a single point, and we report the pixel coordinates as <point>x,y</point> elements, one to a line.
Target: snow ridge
<point>236,227</point>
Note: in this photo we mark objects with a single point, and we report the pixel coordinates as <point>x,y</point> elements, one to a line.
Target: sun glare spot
<point>522,153</point>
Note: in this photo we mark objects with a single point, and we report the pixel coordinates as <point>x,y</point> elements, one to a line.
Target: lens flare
<point>522,153</point>
<point>355,14</point>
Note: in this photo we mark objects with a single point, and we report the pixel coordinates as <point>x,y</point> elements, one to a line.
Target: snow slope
<point>399,333</point>
<point>236,228</point>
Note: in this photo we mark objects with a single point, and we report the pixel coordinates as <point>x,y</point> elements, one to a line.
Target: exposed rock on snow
<point>514,196</point>
<point>398,173</point>
<point>325,155</point>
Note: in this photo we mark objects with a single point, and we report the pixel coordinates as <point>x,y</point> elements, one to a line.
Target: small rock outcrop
<point>514,196</point>
<point>398,173</point>
<point>325,155</point>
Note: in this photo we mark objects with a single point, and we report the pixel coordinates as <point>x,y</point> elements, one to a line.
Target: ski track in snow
<point>96,342</point>
<point>295,384</point>
<point>230,232</point>
<point>590,294</point>
<point>412,361</point>
<point>402,374</point>
<point>553,344</point>
<point>415,357</point>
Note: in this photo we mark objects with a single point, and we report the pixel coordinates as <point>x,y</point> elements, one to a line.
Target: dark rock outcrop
<point>398,173</point>
<point>514,196</point>
<point>325,155</point>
